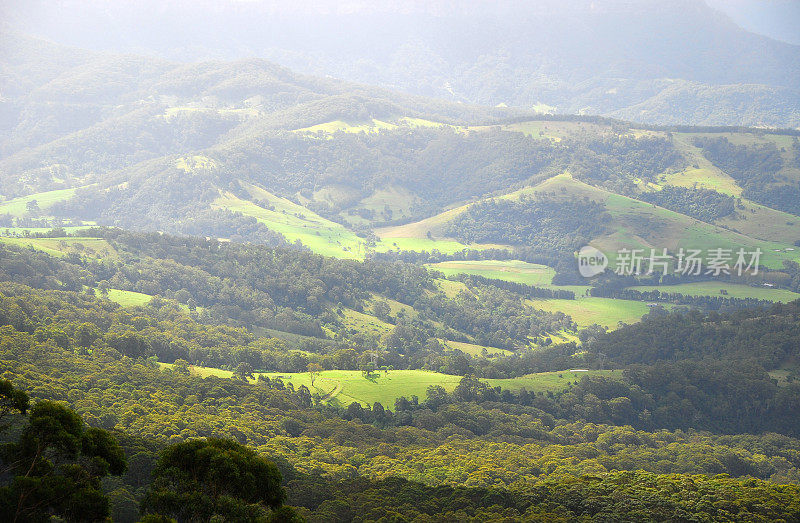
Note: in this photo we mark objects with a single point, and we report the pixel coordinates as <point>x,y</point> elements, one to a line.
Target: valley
<point>532,261</point>
<point>355,231</point>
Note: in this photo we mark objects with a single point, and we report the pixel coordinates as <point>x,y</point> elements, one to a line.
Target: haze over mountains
<point>651,61</point>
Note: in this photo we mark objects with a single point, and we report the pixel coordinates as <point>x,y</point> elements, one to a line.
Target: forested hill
<point>65,90</point>
<point>670,438</point>
<point>248,150</point>
<point>739,336</point>
<point>331,304</point>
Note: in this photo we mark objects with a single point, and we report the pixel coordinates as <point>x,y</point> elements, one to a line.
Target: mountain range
<point>652,61</point>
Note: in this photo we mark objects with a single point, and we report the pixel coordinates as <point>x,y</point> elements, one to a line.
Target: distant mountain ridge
<point>618,58</point>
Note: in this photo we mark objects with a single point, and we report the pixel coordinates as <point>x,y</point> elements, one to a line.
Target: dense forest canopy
<point>84,353</point>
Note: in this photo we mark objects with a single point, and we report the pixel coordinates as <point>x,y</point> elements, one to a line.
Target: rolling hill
<point>252,152</point>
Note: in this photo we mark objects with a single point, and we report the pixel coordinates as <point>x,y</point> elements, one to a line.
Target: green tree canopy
<point>205,478</point>
<point>56,468</point>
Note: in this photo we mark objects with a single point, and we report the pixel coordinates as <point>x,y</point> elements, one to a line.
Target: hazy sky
<point>779,19</point>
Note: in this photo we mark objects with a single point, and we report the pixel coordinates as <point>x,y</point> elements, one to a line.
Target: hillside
<point>249,151</point>
<point>672,417</point>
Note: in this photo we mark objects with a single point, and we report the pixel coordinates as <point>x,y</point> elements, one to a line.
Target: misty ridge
<point>653,61</point>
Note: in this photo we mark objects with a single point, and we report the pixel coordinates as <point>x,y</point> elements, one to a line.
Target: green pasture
<point>508,270</point>
<point>356,321</point>
<point>337,126</point>
<point>586,311</point>
<point>347,386</point>
<point>550,381</point>
<point>475,350</point>
<point>734,290</point>
<point>96,247</point>
<point>128,298</point>
<point>297,223</point>
<point>18,206</point>
<point>451,289</point>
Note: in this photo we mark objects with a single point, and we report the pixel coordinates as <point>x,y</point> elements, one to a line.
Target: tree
<point>56,466</point>
<point>355,410</point>
<point>378,412</point>
<point>181,366</point>
<point>183,296</point>
<point>32,206</point>
<point>86,334</point>
<point>367,368</point>
<point>469,388</point>
<point>244,371</point>
<point>382,310</point>
<point>313,371</point>
<point>591,333</point>
<point>12,400</point>
<point>437,396</point>
<point>205,479</point>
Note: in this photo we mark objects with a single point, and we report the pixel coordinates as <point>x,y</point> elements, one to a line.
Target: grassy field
<point>541,129</point>
<point>651,226</point>
<point>763,223</point>
<point>565,337</point>
<point>421,244</point>
<point>172,112</point>
<point>451,289</point>
<point>754,220</point>
<point>336,126</point>
<point>475,350</point>
<point>556,131</point>
<point>700,170</point>
<point>420,229</point>
<point>347,386</point>
<point>128,298</point>
<point>61,246</point>
<point>395,307</point>
<point>414,236</point>
<point>734,291</point>
<point>21,231</point>
<point>18,206</point>
<point>421,122</point>
<point>509,270</point>
<point>603,311</point>
<point>639,225</point>
<point>194,163</point>
<point>359,322</point>
<point>389,203</point>
<point>785,376</point>
<point>373,126</point>
<point>550,381</point>
<point>296,222</point>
